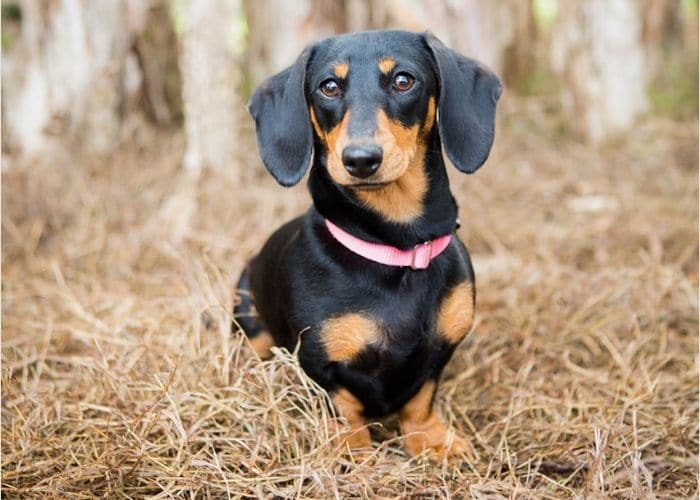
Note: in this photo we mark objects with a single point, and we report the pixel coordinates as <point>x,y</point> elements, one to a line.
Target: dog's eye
<point>330,88</point>
<point>403,82</point>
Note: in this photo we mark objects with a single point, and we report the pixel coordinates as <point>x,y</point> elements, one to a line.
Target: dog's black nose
<point>362,161</point>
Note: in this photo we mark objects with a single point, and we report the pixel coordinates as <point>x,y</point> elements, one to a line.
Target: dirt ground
<point>580,377</point>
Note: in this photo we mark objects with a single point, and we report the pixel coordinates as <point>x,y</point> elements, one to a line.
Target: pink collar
<point>418,257</point>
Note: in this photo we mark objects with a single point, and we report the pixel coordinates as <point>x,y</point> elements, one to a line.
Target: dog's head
<point>366,103</point>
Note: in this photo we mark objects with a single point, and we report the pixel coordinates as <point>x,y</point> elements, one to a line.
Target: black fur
<point>303,276</point>
<point>468,96</point>
<point>245,312</point>
<point>282,124</point>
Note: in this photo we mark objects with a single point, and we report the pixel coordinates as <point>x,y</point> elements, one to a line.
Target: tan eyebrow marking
<point>386,64</point>
<point>340,70</point>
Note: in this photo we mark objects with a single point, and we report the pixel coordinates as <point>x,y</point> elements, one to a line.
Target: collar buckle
<point>422,254</point>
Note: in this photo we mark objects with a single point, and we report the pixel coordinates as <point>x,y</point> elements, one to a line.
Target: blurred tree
<point>597,49</point>
<point>661,21</point>
<point>280,30</point>
<point>499,34</point>
<point>157,49</point>
<point>212,37</point>
<point>76,70</point>
<point>68,73</point>
<point>670,37</point>
<point>520,54</point>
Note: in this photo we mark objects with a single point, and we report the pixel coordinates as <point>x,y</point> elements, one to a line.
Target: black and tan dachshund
<point>372,282</point>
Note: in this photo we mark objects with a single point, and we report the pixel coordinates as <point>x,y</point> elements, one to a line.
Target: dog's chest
<point>386,323</point>
<point>405,352</point>
<point>397,334</point>
<point>398,358</point>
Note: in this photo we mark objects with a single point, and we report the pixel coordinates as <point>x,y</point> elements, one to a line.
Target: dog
<point>371,285</point>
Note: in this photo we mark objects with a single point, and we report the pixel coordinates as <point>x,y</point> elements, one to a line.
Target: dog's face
<point>372,106</point>
<point>365,104</point>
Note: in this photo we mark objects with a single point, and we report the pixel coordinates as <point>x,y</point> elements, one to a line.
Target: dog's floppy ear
<point>282,123</point>
<point>467,106</point>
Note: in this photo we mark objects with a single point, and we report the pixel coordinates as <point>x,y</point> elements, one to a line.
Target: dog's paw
<point>353,442</point>
<point>455,450</point>
<point>433,436</point>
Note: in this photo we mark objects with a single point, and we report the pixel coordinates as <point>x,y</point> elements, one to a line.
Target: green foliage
<point>545,12</point>
<point>11,11</point>
<point>675,91</point>
<point>11,17</point>
<point>540,81</point>
<point>178,15</point>
<point>690,8</point>
<point>241,34</point>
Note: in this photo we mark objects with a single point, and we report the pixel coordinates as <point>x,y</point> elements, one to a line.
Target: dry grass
<point>581,377</point>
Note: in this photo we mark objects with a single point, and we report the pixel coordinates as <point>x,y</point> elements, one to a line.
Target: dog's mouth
<point>369,186</point>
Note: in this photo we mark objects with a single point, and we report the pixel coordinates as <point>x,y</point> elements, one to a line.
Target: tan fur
<point>404,151</point>
<point>423,428</point>
<point>456,313</point>
<point>336,140</point>
<point>341,70</point>
<point>356,435</point>
<point>386,64</point>
<point>429,117</point>
<point>346,336</point>
<point>314,122</point>
<point>401,200</point>
<point>261,344</point>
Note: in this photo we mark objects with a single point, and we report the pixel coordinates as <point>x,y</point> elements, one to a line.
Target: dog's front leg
<point>424,429</point>
<point>356,434</point>
<point>313,356</point>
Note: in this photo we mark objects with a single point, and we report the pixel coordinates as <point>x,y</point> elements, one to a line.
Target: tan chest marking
<point>344,337</point>
<point>456,313</point>
<point>350,408</point>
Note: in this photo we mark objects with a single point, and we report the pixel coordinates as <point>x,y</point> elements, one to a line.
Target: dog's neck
<point>339,205</point>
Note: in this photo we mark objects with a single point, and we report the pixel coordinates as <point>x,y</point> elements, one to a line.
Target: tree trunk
<point>597,49</point>
<point>279,31</point>
<point>68,73</point>
<point>482,30</point>
<point>210,47</point>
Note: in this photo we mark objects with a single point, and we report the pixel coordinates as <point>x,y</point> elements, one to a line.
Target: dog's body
<point>375,336</point>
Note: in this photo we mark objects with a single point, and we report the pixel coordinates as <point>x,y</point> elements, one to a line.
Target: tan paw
<point>353,442</point>
<point>433,436</point>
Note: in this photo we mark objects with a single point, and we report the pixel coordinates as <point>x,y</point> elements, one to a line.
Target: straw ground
<point>121,378</point>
